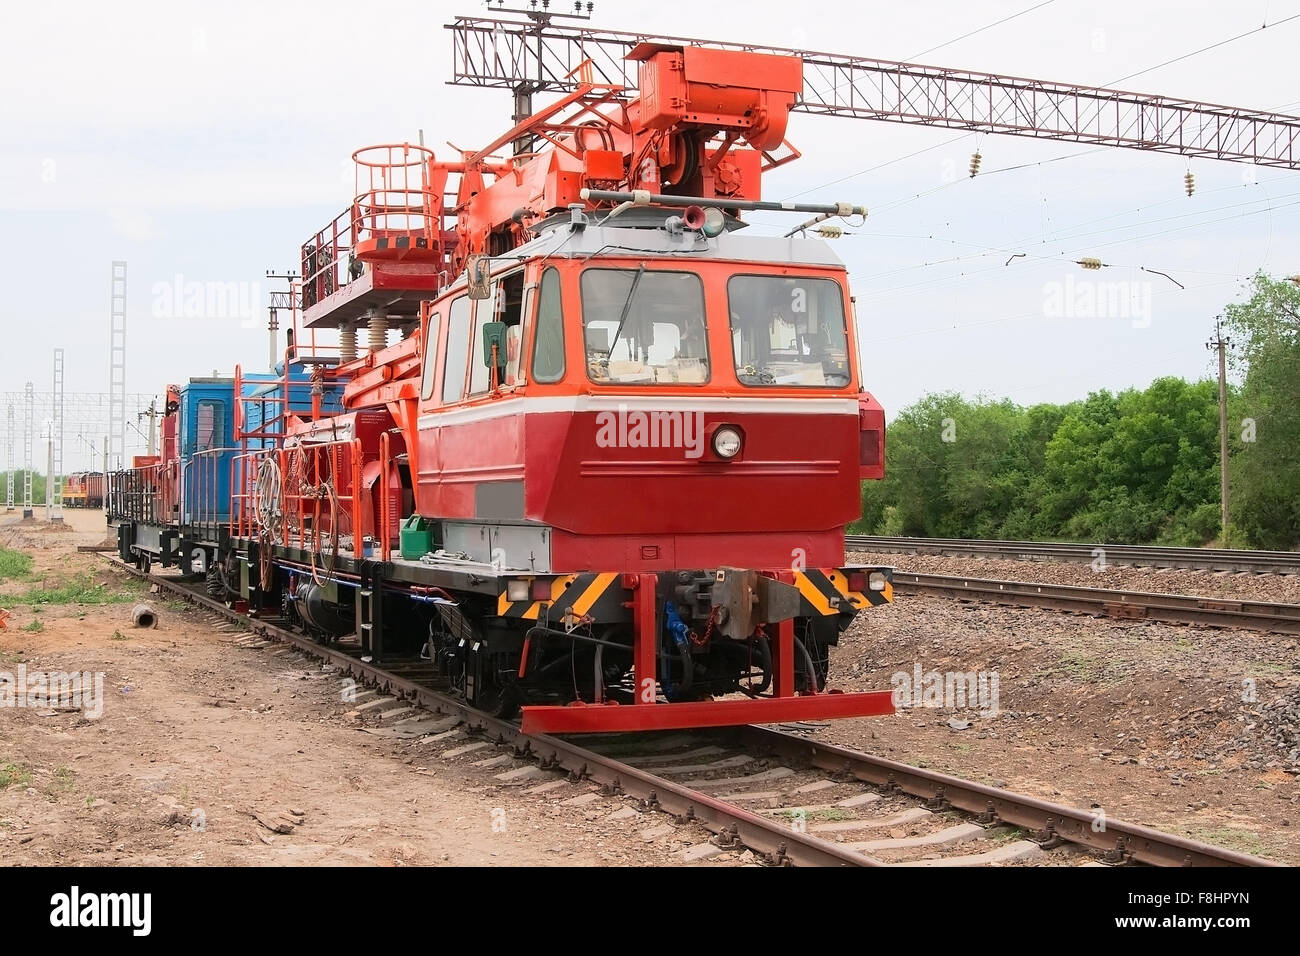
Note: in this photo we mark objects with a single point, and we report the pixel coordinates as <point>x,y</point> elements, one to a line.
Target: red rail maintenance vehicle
<point>603,471</point>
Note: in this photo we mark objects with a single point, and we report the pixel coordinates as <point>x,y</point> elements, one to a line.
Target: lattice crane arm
<point>530,57</point>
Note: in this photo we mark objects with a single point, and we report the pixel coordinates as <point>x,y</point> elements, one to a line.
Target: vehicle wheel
<point>489,696</point>
<point>213,583</point>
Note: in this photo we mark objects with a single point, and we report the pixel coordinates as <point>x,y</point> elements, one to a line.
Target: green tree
<point>1134,467</point>
<point>38,487</point>
<point>1263,464</point>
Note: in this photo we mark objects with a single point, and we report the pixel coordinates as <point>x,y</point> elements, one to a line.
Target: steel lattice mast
<point>10,450</point>
<point>85,414</point>
<point>54,480</point>
<point>27,453</point>
<point>540,56</point>
<point>117,368</point>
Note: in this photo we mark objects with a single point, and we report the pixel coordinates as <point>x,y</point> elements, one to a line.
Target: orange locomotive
<point>84,489</point>
<point>605,472</point>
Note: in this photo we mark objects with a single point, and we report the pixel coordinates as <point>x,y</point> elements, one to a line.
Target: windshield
<point>644,327</point>
<point>788,331</point>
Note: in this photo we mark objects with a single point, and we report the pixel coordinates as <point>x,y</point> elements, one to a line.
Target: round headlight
<point>726,442</point>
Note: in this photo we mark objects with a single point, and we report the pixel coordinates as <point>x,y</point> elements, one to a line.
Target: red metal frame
<point>647,713</point>
<point>601,718</point>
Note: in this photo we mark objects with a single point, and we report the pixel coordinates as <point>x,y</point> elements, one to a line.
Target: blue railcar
<point>175,509</point>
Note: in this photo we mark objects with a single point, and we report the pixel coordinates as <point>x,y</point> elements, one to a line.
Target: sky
<point>204,143</point>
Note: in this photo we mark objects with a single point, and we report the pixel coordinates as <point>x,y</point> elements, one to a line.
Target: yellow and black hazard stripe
<point>825,591</point>
<point>597,594</point>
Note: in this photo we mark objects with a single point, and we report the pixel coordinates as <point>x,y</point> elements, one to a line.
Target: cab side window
<point>210,419</point>
<point>458,350</point>
<point>506,305</point>
<point>430,355</point>
<point>548,340</point>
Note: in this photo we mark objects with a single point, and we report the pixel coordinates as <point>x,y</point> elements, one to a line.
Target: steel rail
<point>1102,602</point>
<point>1051,822</point>
<point>1195,559</point>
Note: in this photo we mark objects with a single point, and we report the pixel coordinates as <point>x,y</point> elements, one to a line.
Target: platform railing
<point>247,520</point>
<point>326,259</point>
<point>203,501</point>
<point>323,496</point>
<point>393,197</point>
<point>385,519</point>
<point>142,494</point>
<point>275,410</point>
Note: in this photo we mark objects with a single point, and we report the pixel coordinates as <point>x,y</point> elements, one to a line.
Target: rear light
<point>871,438</point>
<point>857,580</point>
<point>869,447</point>
<point>541,590</point>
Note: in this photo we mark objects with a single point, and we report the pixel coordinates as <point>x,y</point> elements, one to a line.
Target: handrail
<point>140,492</point>
<point>206,495</point>
<point>322,495</point>
<point>385,530</point>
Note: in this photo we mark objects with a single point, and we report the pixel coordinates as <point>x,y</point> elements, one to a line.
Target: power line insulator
<point>975,164</point>
<point>829,232</point>
<point>1189,182</point>
<point>1088,262</point>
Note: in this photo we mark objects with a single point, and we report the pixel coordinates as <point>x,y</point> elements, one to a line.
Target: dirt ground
<point>198,735</point>
<point>1148,723</point>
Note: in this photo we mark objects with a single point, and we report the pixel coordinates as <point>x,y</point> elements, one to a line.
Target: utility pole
<point>524,91</point>
<point>108,484</point>
<point>286,300</point>
<point>1221,343</point>
<point>150,413</point>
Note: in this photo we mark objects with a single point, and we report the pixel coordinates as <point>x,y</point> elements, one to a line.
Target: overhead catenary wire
<point>1070,235</point>
<point>1066,254</point>
<point>1205,49</point>
<point>989,26</point>
<point>963,136</point>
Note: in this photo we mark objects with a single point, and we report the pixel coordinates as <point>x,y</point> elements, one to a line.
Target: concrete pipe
<point>142,615</point>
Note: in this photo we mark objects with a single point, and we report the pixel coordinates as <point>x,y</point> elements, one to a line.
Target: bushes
<point>1135,467</point>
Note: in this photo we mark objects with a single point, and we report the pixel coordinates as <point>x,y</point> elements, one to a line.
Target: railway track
<point>1199,559</point>
<point>1103,602</point>
<point>786,798</point>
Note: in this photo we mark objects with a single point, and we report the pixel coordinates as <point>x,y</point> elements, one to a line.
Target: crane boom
<point>546,57</point>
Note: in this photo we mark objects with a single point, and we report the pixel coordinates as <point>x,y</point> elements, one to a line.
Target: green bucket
<point>416,538</point>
